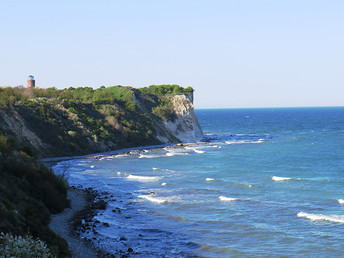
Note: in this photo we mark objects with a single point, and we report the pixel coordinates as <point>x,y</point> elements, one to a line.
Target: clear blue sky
<point>234,53</point>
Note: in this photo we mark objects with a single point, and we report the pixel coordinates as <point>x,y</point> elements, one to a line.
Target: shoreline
<point>80,218</point>
<point>86,203</point>
<point>61,224</point>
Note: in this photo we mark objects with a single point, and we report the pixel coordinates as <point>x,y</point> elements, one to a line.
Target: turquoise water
<point>267,182</point>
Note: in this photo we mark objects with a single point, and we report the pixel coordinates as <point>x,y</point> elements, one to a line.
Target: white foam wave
<point>341,201</point>
<point>243,142</point>
<point>120,156</point>
<point>278,178</point>
<point>209,179</point>
<point>175,153</point>
<point>227,199</point>
<point>147,156</point>
<point>164,169</point>
<point>169,170</point>
<point>195,150</point>
<point>313,217</point>
<point>143,178</point>
<point>153,199</point>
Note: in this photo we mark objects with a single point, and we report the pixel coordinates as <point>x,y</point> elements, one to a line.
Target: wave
<point>143,178</point>
<point>195,150</point>
<point>120,156</point>
<point>175,153</point>
<point>341,201</point>
<point>165,169</point>
<point>313,217</point>
<point>147,156</point>
<point>236,138</point>
<point>277,178</point>
<point>244,141</point>
<point>209,179</point>
<point>227,199</point>
<point>153,199</point>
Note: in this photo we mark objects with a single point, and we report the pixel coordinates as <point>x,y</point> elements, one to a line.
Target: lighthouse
<point>31,82</point>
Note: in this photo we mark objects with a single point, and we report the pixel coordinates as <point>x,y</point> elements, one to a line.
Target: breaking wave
<point>153,199</point>
<point>227,199</point>
<point>143,178</point>
<point>278,178</point>
<point>313,217</point>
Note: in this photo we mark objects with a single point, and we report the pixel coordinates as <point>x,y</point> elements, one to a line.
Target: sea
<point>264,182</point>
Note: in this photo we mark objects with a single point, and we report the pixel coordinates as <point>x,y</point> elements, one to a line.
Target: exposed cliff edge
<point>182,126</point>
<point>79,121</point>
<point>185,126</point>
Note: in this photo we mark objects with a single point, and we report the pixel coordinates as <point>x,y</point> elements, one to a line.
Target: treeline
<point>166,89</point>
<point>11,96</point>
<point>103,95</point>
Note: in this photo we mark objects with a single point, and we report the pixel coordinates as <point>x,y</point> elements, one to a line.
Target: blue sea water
<point>266,182</point>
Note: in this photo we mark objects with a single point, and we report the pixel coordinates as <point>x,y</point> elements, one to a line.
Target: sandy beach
<point>60,223</point>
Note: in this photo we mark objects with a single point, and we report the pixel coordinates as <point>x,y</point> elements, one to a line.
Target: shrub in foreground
<point>18,246</point>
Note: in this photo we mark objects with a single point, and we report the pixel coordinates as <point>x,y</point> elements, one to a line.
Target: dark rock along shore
<point>84,221</point>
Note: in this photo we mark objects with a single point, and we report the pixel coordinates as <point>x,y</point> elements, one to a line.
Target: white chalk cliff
<point>183,128</point>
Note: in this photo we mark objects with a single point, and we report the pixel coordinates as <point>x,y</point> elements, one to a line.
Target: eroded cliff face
<point>52,129</point>
<point>183,128</point>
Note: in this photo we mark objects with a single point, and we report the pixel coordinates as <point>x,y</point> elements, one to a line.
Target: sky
<point>234,53</point>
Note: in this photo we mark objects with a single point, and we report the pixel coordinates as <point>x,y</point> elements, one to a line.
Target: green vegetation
<point>27,246</point>
<point>164,89</point>
<point>164,110</point>
<point>73,121</point>
<point>85,120</point>
<point>29,193</point>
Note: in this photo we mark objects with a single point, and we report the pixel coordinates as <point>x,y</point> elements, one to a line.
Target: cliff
<point>80,121</point>
<point>75,121</point>
<point>181,126</point>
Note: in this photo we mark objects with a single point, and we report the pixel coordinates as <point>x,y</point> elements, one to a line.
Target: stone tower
<point>30,82</point>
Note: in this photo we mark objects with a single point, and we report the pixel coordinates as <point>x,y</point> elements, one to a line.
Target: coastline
<point>86,203</point>
<point>79,218</point>
<point>61,224</point>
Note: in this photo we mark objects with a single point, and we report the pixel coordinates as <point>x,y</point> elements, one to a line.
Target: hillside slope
<point>78,121</point>
<point>75,121</point>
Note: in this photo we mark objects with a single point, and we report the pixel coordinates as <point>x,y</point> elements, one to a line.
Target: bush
<point>27,246</point>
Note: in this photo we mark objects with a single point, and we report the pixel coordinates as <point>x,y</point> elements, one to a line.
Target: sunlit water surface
<point>268,182</point>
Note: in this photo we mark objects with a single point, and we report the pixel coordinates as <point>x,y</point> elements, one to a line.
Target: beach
<point>61,224</point>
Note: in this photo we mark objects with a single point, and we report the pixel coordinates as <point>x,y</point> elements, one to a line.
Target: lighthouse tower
<point>30,82</point>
